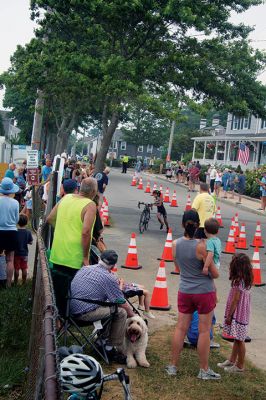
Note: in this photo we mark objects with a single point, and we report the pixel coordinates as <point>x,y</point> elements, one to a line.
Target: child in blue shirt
<point>213,244</point>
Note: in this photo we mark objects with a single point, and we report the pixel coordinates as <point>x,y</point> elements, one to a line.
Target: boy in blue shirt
<point>213,244</point>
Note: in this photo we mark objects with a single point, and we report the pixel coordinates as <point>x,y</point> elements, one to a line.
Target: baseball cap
<point>70,185</point>
<point>109,257</point>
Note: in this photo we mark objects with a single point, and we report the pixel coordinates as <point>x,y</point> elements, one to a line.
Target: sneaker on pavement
<point>141,308</point>
<point>208,375</point>
<point>226,363</point>
<point>148,314</point>
<point>234,369</point>
<point>171,370</point>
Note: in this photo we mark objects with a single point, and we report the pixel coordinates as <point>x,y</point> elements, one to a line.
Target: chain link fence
<point>43,365</point>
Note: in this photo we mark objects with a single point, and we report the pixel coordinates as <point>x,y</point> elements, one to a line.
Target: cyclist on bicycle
<point>161,211</point>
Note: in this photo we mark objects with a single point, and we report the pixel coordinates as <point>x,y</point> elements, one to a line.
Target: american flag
<point>243,153</point>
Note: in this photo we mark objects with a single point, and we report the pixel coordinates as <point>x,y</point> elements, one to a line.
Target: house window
<point>263,124</point>
<point>149,148</point>
<point>123,146</point>
<point>235,123</point>
<point>140,149</point>
<point>245,123</point>
<point>114,146</point>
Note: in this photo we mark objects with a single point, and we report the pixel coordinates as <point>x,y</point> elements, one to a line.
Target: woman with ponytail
<point>196,293</point>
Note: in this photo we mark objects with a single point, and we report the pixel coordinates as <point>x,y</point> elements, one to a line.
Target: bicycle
<point>82,376</point>
<point>145,216</point>
<point>118,375</point>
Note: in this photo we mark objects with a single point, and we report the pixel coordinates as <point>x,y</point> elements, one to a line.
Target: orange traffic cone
<point>132,255</point>
<point>233,224</point>
<point>188,205</point>
<point>106,215</point>
<point>174,201</point>
<point>176,271</point>
<point>237,225</point>
<point>140,186</point>
<point>159,298</point>
<point>167,251</point>
<point>148,187</point>
<point>257,241</point>
<point>161,188</point>
<point>256,268</point>
<point>114,270</point>
<point>154,187</point>
<point>166,196</point>
<point>230,244</point>
<point>134,181</point>
<point>242,240</point>
<point>219,217</point>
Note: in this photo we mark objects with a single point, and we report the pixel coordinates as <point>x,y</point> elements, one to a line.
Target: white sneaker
<point>171,370</point>
<point>234,369</point>
<point>141,308</point>
<point>148,314</point>
<point>208,375</point>
<point>224,364</point>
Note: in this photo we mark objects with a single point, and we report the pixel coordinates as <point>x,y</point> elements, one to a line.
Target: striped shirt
<point>95,283</point>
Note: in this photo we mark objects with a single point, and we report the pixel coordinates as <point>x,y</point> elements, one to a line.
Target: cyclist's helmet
<point>80,374</point>
<point>157,192</point>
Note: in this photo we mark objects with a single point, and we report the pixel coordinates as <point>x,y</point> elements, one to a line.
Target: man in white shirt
<point>213,174</point>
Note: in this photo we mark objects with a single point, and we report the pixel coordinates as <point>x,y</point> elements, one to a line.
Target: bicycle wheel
<point>147,218</point>
<point>142,222</point>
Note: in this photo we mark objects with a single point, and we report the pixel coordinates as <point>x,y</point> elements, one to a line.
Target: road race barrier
<point>188,205</point>
<point>148,187</point>
<point>230,244</point>
<point>168,251</point>
<point>132,255</point>
<point>140,185</point>
<point>174,201</point>
<point>256,268</point>
<point>237,226</point>
<point>242,240</point>
<point>219,217</point>
<point>106,214</point>
<point>159,298</point>
<point>134,181</point>
<point>166,196</point>
<point>257,240</point>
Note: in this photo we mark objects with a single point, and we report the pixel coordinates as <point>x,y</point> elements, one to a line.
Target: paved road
<point>123,201</point>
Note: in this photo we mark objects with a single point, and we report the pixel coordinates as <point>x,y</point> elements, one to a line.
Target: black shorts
<point>162,210</point>
<point>200,234</point>
<point>8,240</point>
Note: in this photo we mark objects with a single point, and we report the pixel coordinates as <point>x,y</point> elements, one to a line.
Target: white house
<point>222,146</point>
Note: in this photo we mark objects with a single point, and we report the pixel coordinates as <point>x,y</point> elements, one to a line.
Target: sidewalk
<point>248,204</point>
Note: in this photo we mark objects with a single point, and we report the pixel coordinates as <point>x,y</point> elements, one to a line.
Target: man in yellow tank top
<point>73,218</point>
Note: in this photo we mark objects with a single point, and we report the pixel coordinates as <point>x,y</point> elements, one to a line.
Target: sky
<point>17,28</point>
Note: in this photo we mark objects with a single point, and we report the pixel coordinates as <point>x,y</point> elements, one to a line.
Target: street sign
<point>33,176</point>
<point>32,158</point>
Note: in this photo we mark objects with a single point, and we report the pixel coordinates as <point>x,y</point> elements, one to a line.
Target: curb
<point>221,200</point>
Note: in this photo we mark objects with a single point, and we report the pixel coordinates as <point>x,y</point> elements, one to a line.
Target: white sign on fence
<point>32,158</point>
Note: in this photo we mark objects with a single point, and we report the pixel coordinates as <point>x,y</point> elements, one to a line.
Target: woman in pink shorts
<point>196,293</point>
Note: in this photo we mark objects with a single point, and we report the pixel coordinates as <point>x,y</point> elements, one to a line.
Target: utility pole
<point>170,144</point>
<point>37,122</point>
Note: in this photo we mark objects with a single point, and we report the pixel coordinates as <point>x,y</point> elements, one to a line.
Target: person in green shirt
<point>125,163</point>
<point>73,218</point>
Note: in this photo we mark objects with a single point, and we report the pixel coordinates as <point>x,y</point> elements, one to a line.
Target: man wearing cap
<point>99,283</point>
<point>9,216</point>
<point>69,186</point>
<point>73,218</point>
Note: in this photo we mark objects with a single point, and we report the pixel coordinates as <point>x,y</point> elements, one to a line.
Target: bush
<point>252,187</point>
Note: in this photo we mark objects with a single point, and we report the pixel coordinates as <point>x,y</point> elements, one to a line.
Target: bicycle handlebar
<point>145,204</point>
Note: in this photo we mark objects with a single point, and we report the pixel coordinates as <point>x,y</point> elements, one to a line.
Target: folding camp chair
<point>71,326</point>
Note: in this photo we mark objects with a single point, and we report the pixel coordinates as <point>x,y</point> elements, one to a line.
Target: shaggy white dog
<point>135,342</point>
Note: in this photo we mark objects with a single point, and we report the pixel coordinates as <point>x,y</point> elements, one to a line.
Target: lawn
<point>154,383</point>
<point>15,321</point>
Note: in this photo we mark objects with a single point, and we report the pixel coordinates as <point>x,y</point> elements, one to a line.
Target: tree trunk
<point>63,134</point>
<point>108,132</point>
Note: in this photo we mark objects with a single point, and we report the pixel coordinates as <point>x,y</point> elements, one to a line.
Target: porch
<point>224,150</point>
